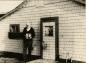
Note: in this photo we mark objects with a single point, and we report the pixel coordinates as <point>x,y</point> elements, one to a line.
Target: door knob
<point>44,45</point>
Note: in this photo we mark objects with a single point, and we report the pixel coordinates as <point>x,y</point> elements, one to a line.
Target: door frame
<point>50,19</point>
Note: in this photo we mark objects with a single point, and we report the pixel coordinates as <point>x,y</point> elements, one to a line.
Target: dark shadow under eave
<point>2,15</point>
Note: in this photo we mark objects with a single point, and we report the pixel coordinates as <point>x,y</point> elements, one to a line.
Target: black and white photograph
<point>42,31</point>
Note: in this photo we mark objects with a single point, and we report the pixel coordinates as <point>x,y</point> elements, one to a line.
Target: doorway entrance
<point>49,38</point>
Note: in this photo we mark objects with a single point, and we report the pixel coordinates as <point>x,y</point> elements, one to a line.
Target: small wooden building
<point>66,19</point>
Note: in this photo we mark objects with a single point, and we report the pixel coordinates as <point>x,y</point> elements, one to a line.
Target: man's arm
<point>33,33</point>
<point>24,32</point>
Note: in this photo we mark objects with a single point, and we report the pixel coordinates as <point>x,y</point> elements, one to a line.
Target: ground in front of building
<point>43,61</point>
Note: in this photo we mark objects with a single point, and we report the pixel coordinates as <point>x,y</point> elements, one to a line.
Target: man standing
<point>28,35</point>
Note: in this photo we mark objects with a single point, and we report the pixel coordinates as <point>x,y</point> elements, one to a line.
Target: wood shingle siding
<point>72,27</point>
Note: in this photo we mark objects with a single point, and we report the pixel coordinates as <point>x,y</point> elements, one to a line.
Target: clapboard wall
<point>72,27</point>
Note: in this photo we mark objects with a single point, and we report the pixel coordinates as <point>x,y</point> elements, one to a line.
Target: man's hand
<point>30,36</point>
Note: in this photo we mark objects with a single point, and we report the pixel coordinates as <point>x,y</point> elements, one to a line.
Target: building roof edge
<point>14,10</point>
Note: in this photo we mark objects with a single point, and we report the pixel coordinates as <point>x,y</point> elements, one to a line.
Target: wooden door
<point>49,38</point>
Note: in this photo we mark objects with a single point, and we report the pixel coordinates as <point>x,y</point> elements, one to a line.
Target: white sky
<point>6,6</point>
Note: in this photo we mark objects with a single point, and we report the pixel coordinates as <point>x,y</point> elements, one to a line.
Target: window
<point>48,30</point>
<point>14,28</point>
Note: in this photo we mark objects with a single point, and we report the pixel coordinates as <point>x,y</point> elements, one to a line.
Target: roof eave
<point>12,11</point>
